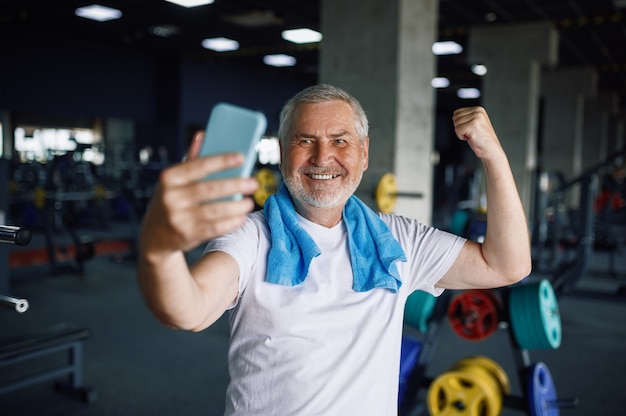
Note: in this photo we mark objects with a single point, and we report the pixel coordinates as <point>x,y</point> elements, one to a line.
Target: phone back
<point>233,129</point>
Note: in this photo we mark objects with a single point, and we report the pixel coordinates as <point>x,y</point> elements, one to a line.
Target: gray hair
<point>319,94</point>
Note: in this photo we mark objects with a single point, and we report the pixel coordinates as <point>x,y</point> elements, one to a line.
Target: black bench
<point>46,341</point>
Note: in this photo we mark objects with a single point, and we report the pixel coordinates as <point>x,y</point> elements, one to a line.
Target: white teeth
<point>322,177</point>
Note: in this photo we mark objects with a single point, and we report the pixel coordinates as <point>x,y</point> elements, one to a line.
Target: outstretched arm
<point>178,219</point>
<point>504,256</point>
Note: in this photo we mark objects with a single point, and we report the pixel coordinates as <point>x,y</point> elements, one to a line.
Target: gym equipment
<point>541,391</point>
<point>46,341</point>
<point>473,386</point>
<point>580,231</point>
<point>386,193</point>
<point>409,354</point>
<point>542,398</point>
<point>474,314</point>
<point>268,185</point>
<point>10,234</point>
<point>419,309</point>
<point>534,315</point>
<point>20,305</point>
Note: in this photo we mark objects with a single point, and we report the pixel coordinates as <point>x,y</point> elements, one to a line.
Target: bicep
<point>469,270</point>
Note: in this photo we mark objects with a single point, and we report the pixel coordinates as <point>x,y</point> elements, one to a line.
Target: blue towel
<point>373,249</point>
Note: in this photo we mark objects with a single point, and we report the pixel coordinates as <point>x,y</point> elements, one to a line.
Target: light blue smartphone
<point>233,129</point>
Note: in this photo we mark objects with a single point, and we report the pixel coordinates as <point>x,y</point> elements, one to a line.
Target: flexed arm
<point>504,256</point>
<point>178,219</point>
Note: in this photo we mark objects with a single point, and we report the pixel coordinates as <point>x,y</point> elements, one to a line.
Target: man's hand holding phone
<point>200,198</point>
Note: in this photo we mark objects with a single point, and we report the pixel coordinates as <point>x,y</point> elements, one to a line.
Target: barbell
<point>386,193</point>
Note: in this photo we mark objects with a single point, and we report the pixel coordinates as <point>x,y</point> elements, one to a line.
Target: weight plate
<point>267,186</point>
<point>418,310</point>
<point>474,314</point>
<point>492,367</point>
<point>386,193</point>
<point>534,315</point>
<point>541,391</point>
<point>469,390</point>
<point>409,356</point>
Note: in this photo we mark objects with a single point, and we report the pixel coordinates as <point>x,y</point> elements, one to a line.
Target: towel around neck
<point>373,249</point>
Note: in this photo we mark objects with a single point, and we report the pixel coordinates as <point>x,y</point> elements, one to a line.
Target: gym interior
<point>91,112</point>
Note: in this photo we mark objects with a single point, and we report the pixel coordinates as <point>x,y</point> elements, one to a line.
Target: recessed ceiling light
<point>220,44</point>
<point>303,35</point>
<point>279,60</point>
<point>98,12</point>
<point>191,3</point>
<point>447,48</point>
<point>440,82</point>
<point>468,93</point>
<point>479,70</point>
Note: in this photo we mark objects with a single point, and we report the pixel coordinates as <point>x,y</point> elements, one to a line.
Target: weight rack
<point>541,389</point>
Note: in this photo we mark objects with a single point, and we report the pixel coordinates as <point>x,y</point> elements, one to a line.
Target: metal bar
<point>10,234</point>
<point>38,378</point>
<point>20,305</point>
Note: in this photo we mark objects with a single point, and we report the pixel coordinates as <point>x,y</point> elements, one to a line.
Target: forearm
<point>506,248</point>
<point>169,289</point>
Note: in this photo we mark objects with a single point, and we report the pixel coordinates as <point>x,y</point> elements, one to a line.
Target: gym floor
<point>139,367</point>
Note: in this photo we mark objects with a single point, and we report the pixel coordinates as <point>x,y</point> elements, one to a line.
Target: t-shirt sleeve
<point>430,252</point>
<point>242,245</point>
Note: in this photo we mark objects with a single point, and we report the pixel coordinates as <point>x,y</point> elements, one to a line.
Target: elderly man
<point>316,283</point>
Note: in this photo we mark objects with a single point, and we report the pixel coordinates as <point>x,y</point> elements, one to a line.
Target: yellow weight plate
<point>267,186</point>
<point>386,193</point>
<point>491,367</point>
<point>470,391</point>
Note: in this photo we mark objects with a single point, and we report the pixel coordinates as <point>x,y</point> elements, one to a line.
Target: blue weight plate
<point>409,356</point>
<point>541,391</point>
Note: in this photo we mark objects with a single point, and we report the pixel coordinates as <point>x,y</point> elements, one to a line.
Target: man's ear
<point>366,152</point>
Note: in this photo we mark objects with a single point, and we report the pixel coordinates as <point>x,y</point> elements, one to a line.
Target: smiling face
<point>323,157</point>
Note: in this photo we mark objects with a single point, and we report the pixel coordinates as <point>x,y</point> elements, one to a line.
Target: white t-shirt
<point>320,348</point>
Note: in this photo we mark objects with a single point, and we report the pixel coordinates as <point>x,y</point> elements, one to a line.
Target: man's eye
<point>305,141</point>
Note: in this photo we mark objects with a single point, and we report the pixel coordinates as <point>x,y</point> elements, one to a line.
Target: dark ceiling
<point>592,32</point>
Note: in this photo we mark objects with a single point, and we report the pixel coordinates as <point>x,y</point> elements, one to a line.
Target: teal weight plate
<point>534,316</point>
<point>418,310</point>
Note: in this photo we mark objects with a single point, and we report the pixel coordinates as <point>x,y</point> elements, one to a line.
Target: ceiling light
<point>447,48</point>
<point>220,44</point>
<point>164,31</point>
<point>468,93</point>
<point>440,82</point>
<point>303,35</point>
<point>98,12</point>
<point>191,3</point>
<point>279,60</point>
<point>479,70</point>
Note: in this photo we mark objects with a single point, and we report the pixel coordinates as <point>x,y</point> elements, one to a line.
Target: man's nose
<point>322,152</point>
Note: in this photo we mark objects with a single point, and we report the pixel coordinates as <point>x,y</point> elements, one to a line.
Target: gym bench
<point>46,341</point>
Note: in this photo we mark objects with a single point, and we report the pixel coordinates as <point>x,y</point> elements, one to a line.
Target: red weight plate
<point>473,315</point>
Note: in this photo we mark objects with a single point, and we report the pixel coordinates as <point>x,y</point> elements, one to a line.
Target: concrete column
<point>598,111</point>
<point>513,55</point>
<point>564,94</point>
<point>381,52</point>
